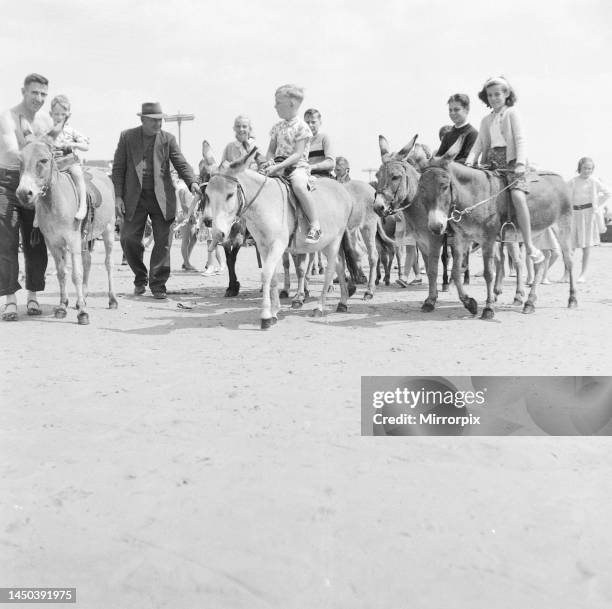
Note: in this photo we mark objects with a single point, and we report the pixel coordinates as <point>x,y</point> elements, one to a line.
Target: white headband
<point>497,80</point>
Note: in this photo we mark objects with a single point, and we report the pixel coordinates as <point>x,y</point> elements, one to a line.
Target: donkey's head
<point>36,171</point>
<point>436,189</point>
<point>225,196</point>
<point>396,179</point>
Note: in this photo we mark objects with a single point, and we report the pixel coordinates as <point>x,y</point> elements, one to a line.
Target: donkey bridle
<point>393,210</point>
<point>242,204</point>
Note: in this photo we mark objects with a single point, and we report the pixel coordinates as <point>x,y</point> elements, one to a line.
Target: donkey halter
<point>242,204</point>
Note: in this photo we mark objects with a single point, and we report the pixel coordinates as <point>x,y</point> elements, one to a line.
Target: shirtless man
<point>17,126</point>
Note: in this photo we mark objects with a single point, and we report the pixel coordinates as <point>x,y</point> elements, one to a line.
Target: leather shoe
<point>139,290</point>
<point>160,295</point>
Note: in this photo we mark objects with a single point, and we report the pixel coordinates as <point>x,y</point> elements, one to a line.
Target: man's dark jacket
<point>128,166</point>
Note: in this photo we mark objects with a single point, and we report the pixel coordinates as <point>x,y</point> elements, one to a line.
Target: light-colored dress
<point>586,195</point>
<point>235,150</point>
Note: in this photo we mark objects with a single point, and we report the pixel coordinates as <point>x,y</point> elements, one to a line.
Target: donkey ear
<point>454,150</point>
<point>207,155</point>
<point>383,145</point>
<point>405,151</point>
<point>240,163</point>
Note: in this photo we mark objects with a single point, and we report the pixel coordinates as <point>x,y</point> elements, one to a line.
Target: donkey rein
<point>457,214</point>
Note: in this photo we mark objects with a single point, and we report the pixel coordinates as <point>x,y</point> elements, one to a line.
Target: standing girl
<point>500,142</point>
<point>588,195</point>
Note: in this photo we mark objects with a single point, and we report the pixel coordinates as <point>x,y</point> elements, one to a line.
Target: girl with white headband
<point>500,142</point>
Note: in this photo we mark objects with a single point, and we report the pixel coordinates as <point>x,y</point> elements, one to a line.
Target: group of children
<point>500,143</point>
<point>298,149</point>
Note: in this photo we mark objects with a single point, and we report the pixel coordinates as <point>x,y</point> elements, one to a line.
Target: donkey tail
<point>352,259</point>
<point>380,231</point>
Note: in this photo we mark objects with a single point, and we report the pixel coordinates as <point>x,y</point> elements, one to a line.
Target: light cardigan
<point>512,132</point>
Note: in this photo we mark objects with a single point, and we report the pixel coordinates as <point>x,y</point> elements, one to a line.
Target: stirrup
<point>505,227</point>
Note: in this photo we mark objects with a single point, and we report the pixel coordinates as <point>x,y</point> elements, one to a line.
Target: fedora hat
<point>152,110</point>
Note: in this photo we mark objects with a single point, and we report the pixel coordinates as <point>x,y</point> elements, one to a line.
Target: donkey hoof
<point>528,308</point>
<point>60,313</point>
<point>387,282</point>
<point>232,290</point>
<point>572,303</point>
<point>377,282</point>
<point>471,305</point>
<point>517,302</point>
<point>351,289</point>
<point>368,295</point>
<point>306,293</point>
<point>274,320</point>
<point>267,323</point>
<point>297,304</point>
<point>83,318</point>
<point>487,313</point>
<point>427,307</point>
<point>283,294</point>
<point>445,287</point>
<point>341,308</point>
<point>113,304</point>
<point>317,313</point>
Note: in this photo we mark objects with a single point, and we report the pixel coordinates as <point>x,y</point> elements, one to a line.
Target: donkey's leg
<point>77,279</point>
<point>514,254</point>
<point>468,302</point>
<point>270,258</point>
<point>344,294</point>
<point>444,259</point>
<point>368,232</point>
<point>488,311</point>
<point>431,264</point>
<point>299,260</point>
<point>86,259</point>
<point>108,237</point>
<point>59,256</point>
<point>331,253</point>
<point>287,274</point>
<point>499,258</point>
<point>231,253</point>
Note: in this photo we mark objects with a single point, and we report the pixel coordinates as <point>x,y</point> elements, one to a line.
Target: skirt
<point>584,232</point>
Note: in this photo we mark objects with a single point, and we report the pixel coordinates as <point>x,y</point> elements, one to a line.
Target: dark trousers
<point>12,218</point>
<point>131,241</point>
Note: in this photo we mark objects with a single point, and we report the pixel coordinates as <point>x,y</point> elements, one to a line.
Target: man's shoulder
<point>167,135</point>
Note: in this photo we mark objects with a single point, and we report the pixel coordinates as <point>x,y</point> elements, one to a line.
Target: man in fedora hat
<point>143,187</point>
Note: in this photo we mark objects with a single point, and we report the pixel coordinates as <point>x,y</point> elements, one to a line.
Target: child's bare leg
<point>299,181</point>
<point>519,200</point>
<point>76,173</point>
<point>586,254</point>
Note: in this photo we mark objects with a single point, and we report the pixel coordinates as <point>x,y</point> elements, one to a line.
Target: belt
<point>585,206</point>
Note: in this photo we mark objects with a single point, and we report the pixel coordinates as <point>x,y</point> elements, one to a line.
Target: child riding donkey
<point>67,141</point>
<point>288,153</point>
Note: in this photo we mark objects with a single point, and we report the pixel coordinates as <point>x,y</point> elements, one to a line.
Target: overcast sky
<point>377,66</point>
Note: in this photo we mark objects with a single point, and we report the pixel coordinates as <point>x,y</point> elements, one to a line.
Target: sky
<point>370,67</point>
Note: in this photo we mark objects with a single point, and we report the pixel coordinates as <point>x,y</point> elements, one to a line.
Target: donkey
<point>56,200</point>
<point>478,204</point>
<point>271,218</point>
<point>396,192</point>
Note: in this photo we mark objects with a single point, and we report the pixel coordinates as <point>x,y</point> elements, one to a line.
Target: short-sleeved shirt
<point>286,134</point>
<point>453,135</point>
<point>69,136</point>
